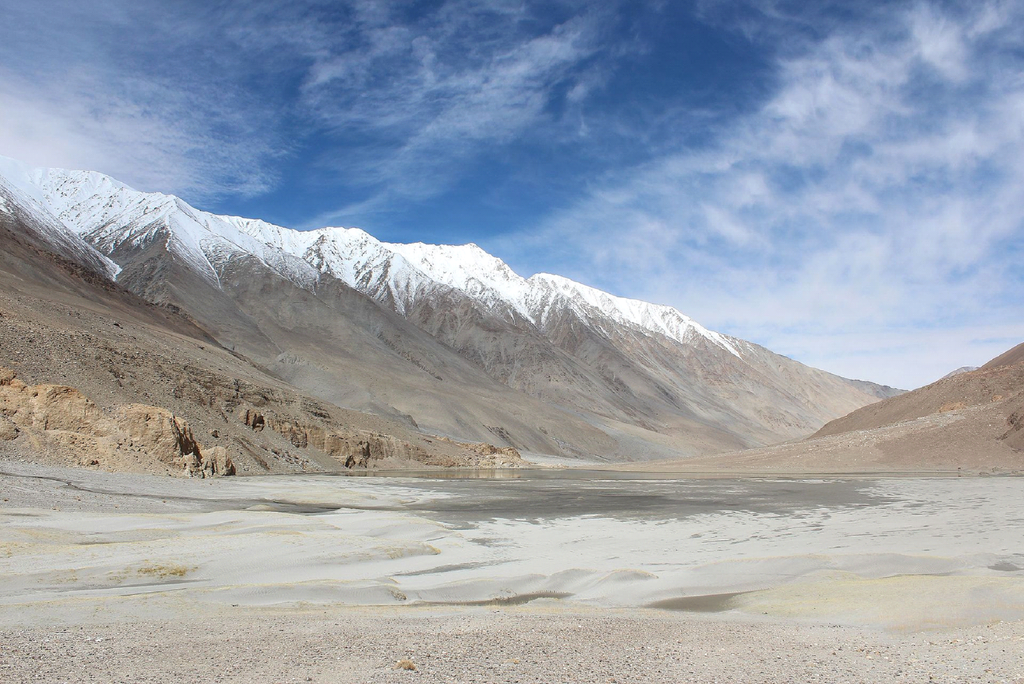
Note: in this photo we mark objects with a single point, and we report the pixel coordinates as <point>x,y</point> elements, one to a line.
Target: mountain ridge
<point>621,378</point>
<point>656,318</point>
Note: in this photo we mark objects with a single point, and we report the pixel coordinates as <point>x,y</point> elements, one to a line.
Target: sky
<point>841,182</point>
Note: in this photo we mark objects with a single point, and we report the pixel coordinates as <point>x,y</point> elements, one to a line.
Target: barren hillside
<point>969,423</point>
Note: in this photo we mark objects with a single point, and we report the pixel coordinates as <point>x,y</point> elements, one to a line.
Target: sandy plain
<point>547,576</point>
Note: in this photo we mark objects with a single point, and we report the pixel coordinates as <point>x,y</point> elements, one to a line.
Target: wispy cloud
<point>875,195</point>
<point>394,101</point>
<point>94,86</point>
<point>150,136</point>
<point>433,93</point>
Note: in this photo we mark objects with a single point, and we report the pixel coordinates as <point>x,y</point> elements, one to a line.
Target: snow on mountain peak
<point>16,180</point>
<point>470,269</point>
<point>109,212</point>
<point>657,318</point>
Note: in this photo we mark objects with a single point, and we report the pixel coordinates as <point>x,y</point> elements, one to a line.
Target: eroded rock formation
<point>62,418</point>
<point>364,448</point>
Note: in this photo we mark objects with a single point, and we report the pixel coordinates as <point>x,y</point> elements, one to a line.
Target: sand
<point>141,578</point>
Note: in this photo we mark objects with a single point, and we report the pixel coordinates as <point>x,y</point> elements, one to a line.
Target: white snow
<point>490,280</point>
<point>657,318</point>
<point>19,181</point>
<point>470,269</point>
<point>108,213</point>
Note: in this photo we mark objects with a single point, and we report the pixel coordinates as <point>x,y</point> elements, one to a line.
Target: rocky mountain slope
<point>446,339</point>
<point>998,384</point>
<point>94,375</point>
<point>970,422</point>
<point>1009,358</point>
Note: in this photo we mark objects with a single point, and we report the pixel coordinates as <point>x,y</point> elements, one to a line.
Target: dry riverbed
<point>540,578</point>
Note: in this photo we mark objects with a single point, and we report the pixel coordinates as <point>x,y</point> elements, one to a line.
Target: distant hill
<point>967,422</point>
<point>998,381</point>
<point>1009,358</point>
<point>958,371</point>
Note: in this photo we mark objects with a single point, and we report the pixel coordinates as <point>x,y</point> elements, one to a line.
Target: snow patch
<point>656,318</point>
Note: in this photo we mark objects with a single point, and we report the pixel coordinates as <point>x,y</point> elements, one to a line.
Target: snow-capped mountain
<point>649,379</point>
<point>112,215</point>
<point>19,196</point>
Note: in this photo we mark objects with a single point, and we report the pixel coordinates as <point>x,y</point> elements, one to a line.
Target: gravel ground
<point>522,644</point>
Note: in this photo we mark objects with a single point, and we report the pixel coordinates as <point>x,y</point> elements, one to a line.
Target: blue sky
<point>841,182</point>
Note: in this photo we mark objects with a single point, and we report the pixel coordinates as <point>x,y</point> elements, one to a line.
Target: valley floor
<point>540,577</point>
<point>549,644</point>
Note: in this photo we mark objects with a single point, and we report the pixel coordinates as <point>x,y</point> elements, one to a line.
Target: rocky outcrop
<point>160,433</point>
<point>214,463</point>
<point>364,448</point>
<point>497,456</point>
<point>8,430</point>
<point>217,462</point>
<point>1014,436</point>
<point>46,407</point>
<point>169,438</point>
<point>64,419</point>
<point>350,448</point>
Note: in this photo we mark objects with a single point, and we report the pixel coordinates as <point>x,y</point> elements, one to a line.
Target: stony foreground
<point>539,643</point>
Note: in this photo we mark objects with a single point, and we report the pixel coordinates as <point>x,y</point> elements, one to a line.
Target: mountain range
<point>437,340</point>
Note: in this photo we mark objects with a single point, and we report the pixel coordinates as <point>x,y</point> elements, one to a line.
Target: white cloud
<point>877,191</point>
<point>940,42</point>
<point>443,91</point>
<point>155,140</point>
<point>96,86</point>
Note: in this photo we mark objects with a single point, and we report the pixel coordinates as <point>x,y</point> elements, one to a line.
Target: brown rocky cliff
<point>61,419</point>
<point>355,448</point>
<point>46,407</point>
